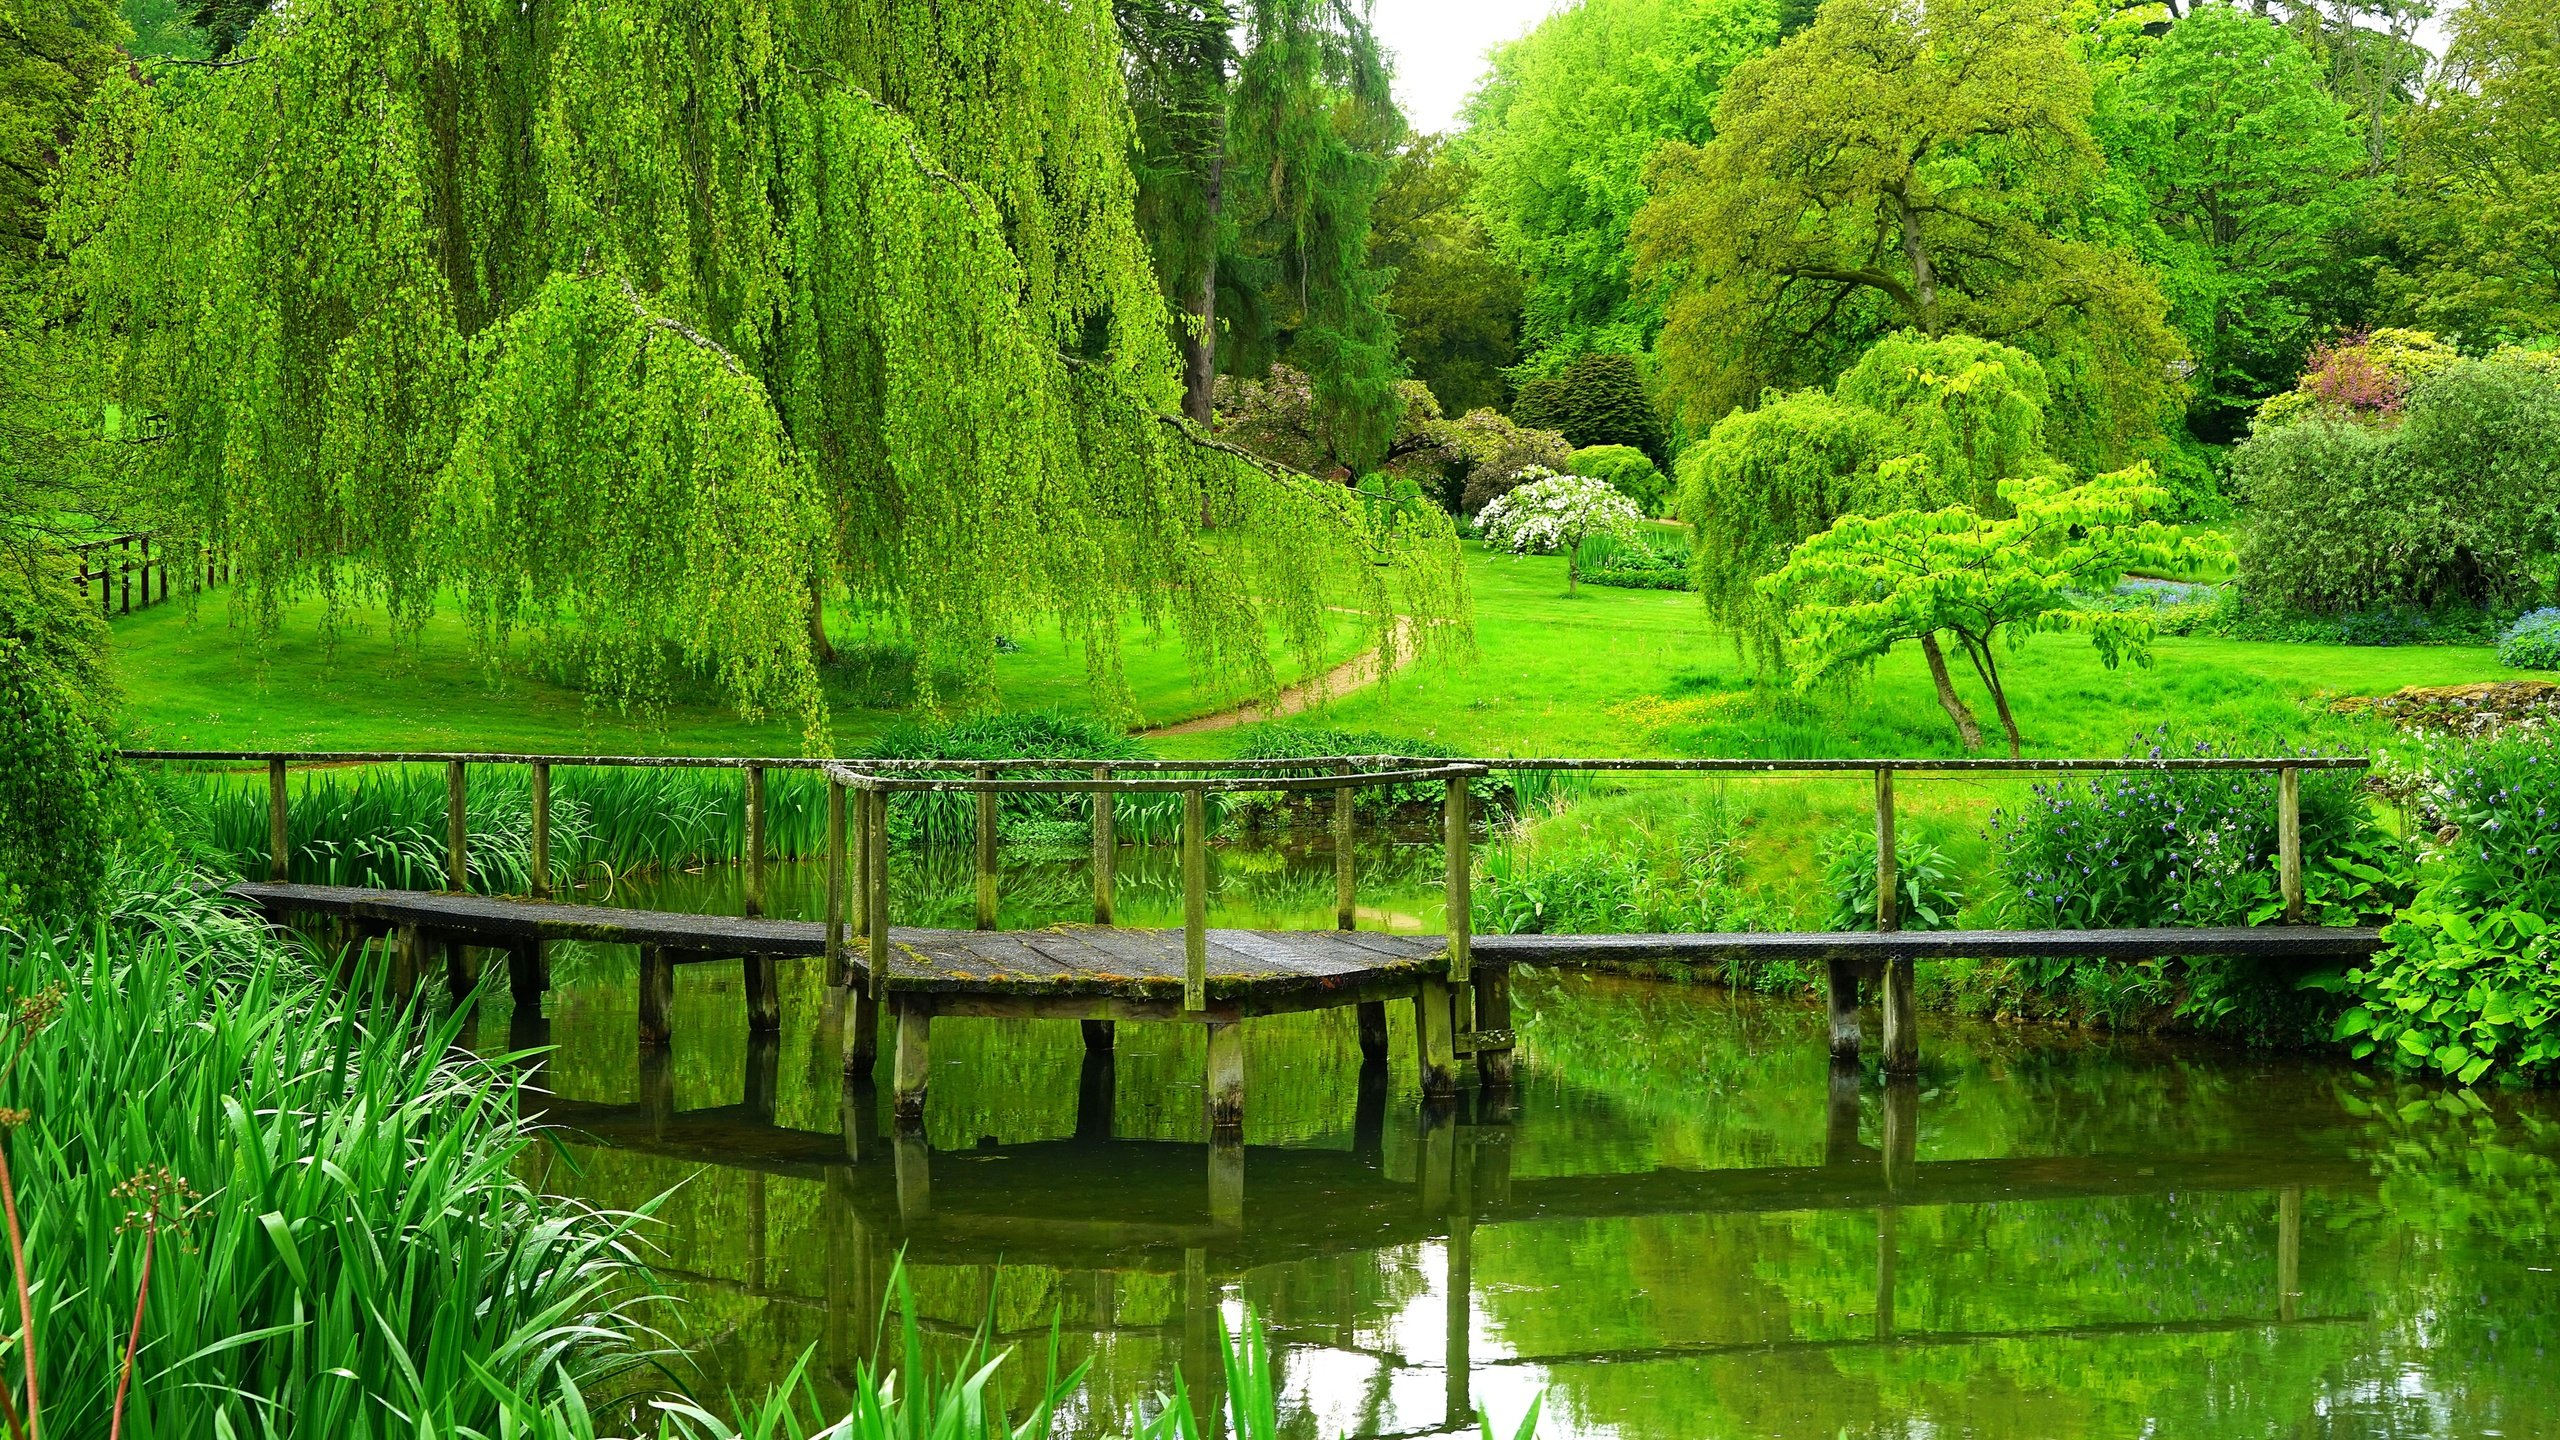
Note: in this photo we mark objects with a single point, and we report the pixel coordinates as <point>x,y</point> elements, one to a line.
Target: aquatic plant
<point>243,1206</point>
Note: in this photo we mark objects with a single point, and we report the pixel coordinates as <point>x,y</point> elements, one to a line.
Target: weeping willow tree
<point>649,327</point>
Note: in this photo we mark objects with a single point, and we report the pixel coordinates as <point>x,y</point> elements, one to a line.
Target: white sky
<point>1439,48</point>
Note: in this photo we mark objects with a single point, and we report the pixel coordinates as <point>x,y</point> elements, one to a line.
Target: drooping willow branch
<point>674,326</point>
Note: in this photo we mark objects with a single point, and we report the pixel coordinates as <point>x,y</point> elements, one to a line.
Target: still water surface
<point>1675,1229</point>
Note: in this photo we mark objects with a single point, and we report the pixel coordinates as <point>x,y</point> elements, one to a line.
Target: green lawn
<point>204,684</point>
<point>1631,672</point>
<point>1605,672</point>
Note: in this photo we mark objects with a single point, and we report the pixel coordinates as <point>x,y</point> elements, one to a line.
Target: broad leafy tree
<point>645,326</point>
<point>1926,166</point>
<point>2254,173</point>
<point>1871,582</point>
<point>1560,134</point>
<point>2478,208</point>
<point>1916,424</point>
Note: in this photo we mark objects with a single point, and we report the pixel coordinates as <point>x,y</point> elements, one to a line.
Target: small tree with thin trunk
<point>1550,513</point>
<point>1855,590</point>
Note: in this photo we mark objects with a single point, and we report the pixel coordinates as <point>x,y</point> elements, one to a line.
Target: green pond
<point>1679,1224</point>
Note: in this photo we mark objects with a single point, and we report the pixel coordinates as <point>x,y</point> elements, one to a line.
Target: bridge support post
<point>762,1080</point>
<point>459,973</point>
<point>1226,1181</point>
<point>914,1067</point>
<point>1845,1038</point>
<point>1901,1019</point>
<point>1493,1028</point>
<point>1226,1079</point>
<point>1097,1091</point>
<point>657,996</point>
<point>1100,1036</point>
<point>1433,1022</point>
<point>408,958</point>
<point>861,1035</point>
<point>527,976</point>
<point>764,994</point>
<point>1373,1031</point>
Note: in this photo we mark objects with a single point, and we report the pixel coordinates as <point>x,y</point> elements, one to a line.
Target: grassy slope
<point>203,684</point>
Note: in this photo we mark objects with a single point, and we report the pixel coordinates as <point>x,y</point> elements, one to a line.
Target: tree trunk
<point>1924,274</point>
<point>1988,667</point>
<point>1200,337</point>
<point>1966,725</point>
<point>820,650</point>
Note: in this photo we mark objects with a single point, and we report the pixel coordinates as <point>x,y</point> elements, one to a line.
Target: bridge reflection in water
<point>1104,1212</point>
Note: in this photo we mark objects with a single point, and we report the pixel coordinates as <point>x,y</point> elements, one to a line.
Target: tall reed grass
<point>338,1241</point>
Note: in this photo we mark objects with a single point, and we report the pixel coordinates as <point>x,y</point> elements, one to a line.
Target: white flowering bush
<point>1548,514</point>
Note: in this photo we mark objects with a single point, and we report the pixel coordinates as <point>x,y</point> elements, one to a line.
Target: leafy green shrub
<point>1594,399</point>
<point>1653,560</point>
<point>951,817</point>
<point>1687,878</point>
<point>1924,882</point>
<point>1628,468</point>
<point>2450,507</point>
<point>2532,641</point>
<point>2147,848</point>
<point>58,788</point>
<point>2471,981</point>
<point>1491,795</point>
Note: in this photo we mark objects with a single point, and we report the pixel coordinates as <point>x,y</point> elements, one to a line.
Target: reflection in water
<point>1682,1224</point>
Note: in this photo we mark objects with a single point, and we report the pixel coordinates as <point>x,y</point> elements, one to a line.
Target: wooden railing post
<point>986,851</point>
<point>1457,905</point>
<point>1195,900</point>
<point>2289,841</point>
<point>541,830</point>
<point>1106,849</point>
<point>124,572</point>
<point>1346,906</point>
<point>457,828</point>
<point>1901,1015</point>
<point>755,840</point>
<point>280,867</point>
<point>860,883</point>
<point>835,966</point>
<point>1888,879</point>
<point>875,905</point>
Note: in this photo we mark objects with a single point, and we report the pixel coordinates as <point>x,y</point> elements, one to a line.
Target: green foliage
<point>1629,469</point>
<point>1559,135</point>
<point>1683,878</point>
<point>1281,418</point>
<point>2363,378</point>
<point>2253,172</point>
<point>1655,561</point>
<point>2470,983</point>
<point>1916,423</point>
<point>2532,641</point>
<point>2139,849</point>
<point>366,1258</point>
<point>1926,896</point>
<point>1498,454</point>
<point>1594,400</point>
<point>1456,302</point>
<point>1491,795</point>
<point>58,786</point>
<point>863,284</point>
<point>2478,199</point>
<point>1925,166</point>
<point>2450,507</point>
<point>1868,582</point>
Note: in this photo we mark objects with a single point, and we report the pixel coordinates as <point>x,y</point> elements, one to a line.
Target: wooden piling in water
<point>1226,1078</point>
<point>1372,1020</point>
<point>1437,1047</point>
<point>1494,1041</point>
<point>764,994</point>
<point>657,996</point>
<point>914,1066</point>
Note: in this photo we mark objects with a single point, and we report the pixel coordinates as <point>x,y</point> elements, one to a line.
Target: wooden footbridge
<point>1101,974</point>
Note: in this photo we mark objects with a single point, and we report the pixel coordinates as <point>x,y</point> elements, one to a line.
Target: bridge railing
<point>876,779</point>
